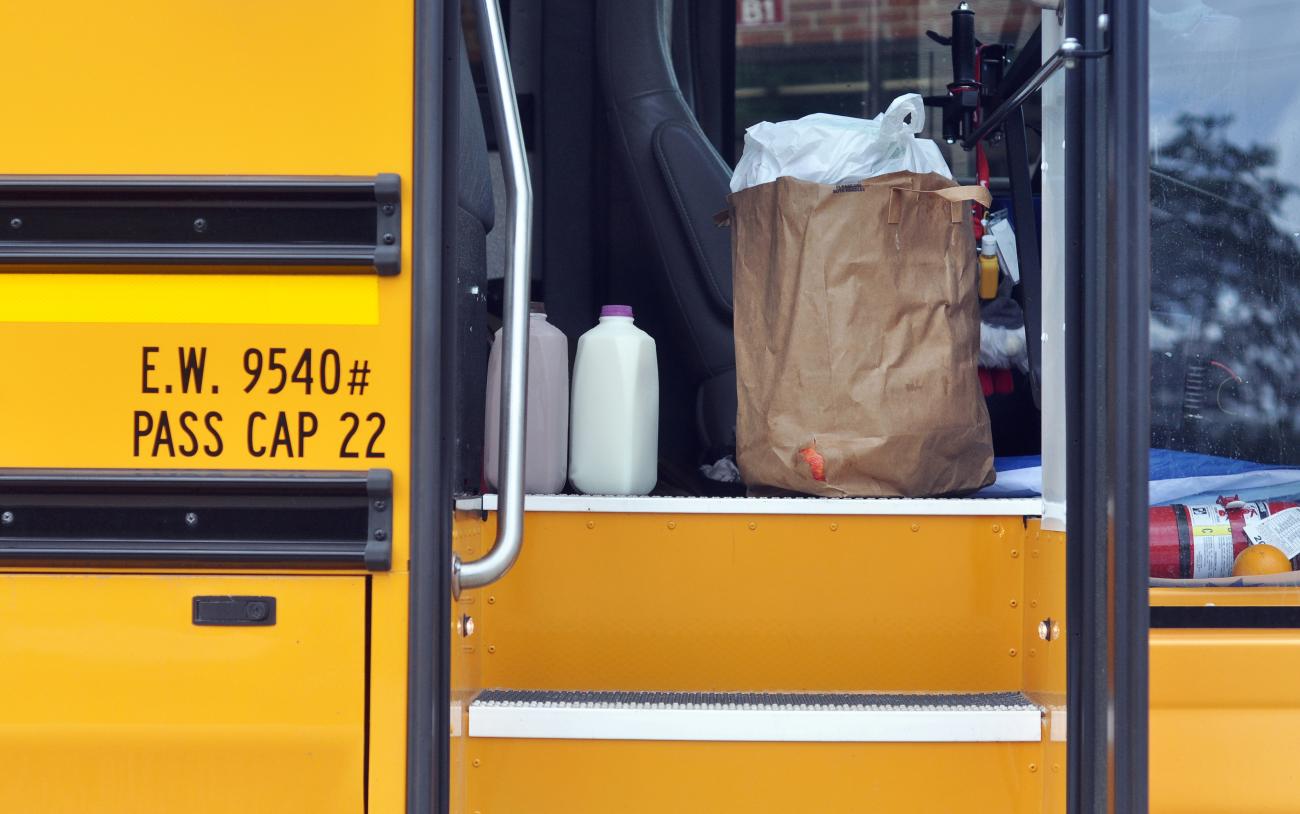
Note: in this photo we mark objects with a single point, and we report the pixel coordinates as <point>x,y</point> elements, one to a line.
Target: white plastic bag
<point>829,149</point>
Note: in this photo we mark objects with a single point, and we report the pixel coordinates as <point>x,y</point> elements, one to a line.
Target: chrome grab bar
<point>514,368</point>
<point>1066,56</point>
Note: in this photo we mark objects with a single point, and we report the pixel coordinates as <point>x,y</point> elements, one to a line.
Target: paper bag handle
<point>956,196</point>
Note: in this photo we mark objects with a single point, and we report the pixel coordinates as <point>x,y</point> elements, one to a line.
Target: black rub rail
<point>326,520</point>
<point>325,222</point>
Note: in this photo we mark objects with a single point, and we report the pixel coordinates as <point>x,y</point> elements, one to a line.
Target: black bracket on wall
<point>329,222</point>
<point>330,520</point>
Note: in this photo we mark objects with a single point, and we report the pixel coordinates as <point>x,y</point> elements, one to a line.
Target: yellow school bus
<point>251,260</point>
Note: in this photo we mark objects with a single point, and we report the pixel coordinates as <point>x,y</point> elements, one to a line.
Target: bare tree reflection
<point>1225,322</point>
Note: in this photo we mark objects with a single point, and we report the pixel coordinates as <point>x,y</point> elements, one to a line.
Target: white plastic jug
<point>546,437</point>
<point>614,444</point>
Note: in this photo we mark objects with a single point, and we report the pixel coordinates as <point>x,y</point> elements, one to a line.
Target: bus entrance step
<point>756,716</point>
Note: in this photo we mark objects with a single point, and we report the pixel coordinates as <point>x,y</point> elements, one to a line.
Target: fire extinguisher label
<point>1211,541</point>
<point>1281,530</point>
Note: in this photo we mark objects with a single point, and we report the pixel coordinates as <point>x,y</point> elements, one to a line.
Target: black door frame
<point>437,29</point>
<point>1107,393</point>
<point>1107,396</point>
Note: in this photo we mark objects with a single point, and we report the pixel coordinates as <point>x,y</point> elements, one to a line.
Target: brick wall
<point>810,22</point>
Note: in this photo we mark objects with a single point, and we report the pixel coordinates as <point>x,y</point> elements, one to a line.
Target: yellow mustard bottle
<point>989,269</point>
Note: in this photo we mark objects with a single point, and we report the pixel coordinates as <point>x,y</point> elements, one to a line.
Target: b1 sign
<point>759,12</point>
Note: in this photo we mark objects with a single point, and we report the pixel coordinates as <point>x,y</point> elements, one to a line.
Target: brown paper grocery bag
<point>857,338</point>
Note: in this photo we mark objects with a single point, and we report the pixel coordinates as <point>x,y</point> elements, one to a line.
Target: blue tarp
<point>1176,477</point>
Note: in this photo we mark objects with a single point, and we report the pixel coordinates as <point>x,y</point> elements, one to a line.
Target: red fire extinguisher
<point>1201,541</point>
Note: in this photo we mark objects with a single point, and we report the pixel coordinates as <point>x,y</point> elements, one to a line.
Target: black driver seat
<point>680,182</point>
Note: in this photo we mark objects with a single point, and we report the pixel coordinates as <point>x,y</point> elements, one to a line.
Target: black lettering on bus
<point>215,448</point>
<point>370,448</point>
<point>307,425</point>
<point>143,428</point>
<point>355,421</point>
<point>280,438</point>
<point>162,436</point>
<point>189,447</point>
<point>273,363</point>
<point>147,365</point>
<point>192,368</point>
<point>331,370</point>
<point>255,451</point>
<point>302,371</point>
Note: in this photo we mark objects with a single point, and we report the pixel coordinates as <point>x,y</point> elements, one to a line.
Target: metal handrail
<point>1064,57</point>
<point>514,367</point>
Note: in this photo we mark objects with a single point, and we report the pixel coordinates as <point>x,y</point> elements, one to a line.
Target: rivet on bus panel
<point>753,526</point>
<point>672,524</point>
<point>835,526</point>
<point>1011,652</point>
<point>591,524</point>
<point>1015,553</point>
<point>916,527</point>
<point>997,529</point>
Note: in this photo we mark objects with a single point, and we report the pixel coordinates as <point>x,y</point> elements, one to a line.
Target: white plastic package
<point>829,149</point>
<point>1003,347</point>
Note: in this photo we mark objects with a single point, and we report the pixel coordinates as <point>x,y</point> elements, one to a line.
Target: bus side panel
<point>1225,720</point>
<point>116,701</point>
<point>201,88</point>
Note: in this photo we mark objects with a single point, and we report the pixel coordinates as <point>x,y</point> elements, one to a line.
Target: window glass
<point>852,57</point>
<point>1225,228</point>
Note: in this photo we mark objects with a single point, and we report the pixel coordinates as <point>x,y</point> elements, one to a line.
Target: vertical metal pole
<point>1107,403</point>
<point>1087,667</point>
<point>1128,357</point>
<point>428,646</point>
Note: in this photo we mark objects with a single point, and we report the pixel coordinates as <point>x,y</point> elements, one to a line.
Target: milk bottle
<point>547,433</point>
<point>614,439</point>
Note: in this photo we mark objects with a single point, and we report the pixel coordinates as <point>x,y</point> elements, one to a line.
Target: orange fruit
<point>1260,559</point>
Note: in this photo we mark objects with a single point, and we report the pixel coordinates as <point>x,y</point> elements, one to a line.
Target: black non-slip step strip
<point>1225,616</point>
<point>758,700</point>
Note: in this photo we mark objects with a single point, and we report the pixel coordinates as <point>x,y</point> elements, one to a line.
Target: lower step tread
<point>756,716</point>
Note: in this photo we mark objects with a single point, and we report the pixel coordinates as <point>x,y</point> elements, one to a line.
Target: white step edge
<point>809,725</point>
<point>840,507</point>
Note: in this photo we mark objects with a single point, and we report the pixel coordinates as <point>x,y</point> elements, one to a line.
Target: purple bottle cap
<point>616,311</point>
